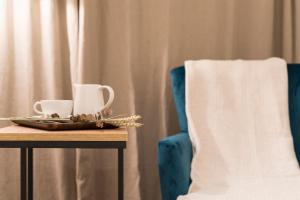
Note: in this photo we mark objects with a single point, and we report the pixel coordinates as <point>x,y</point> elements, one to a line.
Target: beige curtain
<point>35,64</point>
<point>45,45</point>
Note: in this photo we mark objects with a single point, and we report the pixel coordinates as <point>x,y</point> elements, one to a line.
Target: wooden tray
<point>61,125</point>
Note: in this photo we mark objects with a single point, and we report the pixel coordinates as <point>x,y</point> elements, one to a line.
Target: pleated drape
<point>34,65</point>
<point>46,45</point>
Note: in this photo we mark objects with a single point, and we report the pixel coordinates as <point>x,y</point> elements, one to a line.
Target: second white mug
<point>88,98</point>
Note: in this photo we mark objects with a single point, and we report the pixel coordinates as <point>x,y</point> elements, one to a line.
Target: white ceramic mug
<point>62,107</point>
<point>88,98</point>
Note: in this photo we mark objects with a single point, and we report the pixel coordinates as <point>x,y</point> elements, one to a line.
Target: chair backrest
<point>178,86</point>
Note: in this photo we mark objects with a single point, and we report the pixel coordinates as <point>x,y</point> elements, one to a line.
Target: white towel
<point>238,122</point>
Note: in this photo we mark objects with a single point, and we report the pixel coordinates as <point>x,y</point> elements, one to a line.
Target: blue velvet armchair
<point>175,152</point>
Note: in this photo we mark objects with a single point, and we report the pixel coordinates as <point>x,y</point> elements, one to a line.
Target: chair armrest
<point>174,160</point>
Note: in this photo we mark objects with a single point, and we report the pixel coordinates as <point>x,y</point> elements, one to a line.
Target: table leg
<point>30,173</point>
<point>23,174</point>
<point>120,174</point>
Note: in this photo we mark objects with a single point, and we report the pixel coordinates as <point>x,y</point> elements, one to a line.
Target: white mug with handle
<point>48,107</point>
<point>88,98</point>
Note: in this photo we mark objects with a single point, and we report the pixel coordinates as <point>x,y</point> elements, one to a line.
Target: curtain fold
<point>46,45</point>
<point>34,65</point>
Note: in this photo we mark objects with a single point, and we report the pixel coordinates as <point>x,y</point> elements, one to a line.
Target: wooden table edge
<point>19,133</point>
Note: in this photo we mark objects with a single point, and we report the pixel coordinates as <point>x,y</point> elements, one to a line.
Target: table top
<point>19,133</point>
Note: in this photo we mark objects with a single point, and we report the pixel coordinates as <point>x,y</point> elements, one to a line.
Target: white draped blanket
<point>239,125</point>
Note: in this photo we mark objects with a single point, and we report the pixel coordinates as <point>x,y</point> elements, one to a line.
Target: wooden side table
<point>27,139</point>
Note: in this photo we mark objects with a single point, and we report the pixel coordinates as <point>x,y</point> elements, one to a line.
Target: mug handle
<point>35,107</point>
<point>111,96</point>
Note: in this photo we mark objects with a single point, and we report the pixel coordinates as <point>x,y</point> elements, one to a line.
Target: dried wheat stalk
<point>116,121</point>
